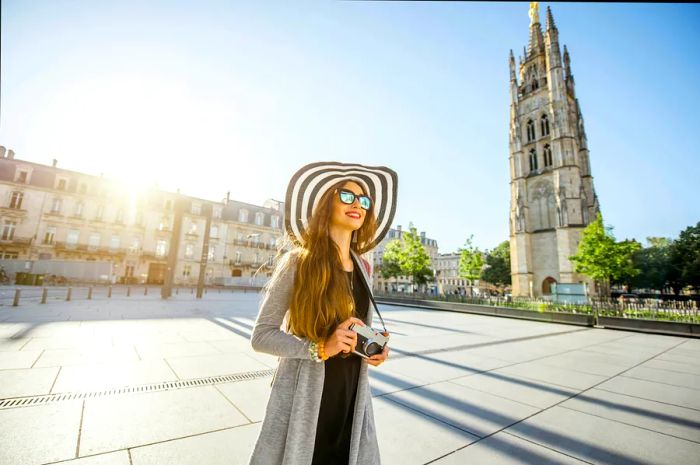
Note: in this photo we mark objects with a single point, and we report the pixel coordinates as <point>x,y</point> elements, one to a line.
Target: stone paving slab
<point>506,449</point>
<point>459,388</point>
<point>40,434</point>
<point>668,419</point>
<point>476,412</point>
<point>602,441</point>
<point>119,422</point>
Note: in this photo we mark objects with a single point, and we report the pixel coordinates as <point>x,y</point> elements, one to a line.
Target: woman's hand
<point>343,339</point>
<point>376,360</point>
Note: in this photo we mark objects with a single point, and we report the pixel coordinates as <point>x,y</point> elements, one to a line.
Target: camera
<point>369,341</point>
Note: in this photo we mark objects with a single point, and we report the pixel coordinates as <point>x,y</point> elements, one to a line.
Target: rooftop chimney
<point>2,151</point>
<point>10,154</point>
<point>54,162</point>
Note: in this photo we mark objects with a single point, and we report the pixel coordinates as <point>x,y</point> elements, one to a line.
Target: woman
<point>320,410</point>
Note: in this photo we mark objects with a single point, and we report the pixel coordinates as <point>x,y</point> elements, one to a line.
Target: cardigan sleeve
<point>267,336</point>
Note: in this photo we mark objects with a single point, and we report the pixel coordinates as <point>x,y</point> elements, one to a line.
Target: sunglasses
<point>348,197</point>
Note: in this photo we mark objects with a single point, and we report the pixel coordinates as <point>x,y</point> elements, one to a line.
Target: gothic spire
<point>550,19</point>
<point>536,42</point>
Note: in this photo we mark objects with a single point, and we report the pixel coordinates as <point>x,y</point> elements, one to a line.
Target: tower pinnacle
<point>550,20</point>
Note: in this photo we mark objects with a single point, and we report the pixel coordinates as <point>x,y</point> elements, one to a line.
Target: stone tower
<point>552,196</point>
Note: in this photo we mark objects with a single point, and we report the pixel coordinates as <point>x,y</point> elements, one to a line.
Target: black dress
<point>332,446</point>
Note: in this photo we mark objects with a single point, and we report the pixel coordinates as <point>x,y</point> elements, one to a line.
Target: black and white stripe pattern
<point>309,183</point>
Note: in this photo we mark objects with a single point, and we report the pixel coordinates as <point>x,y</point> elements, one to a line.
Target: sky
<point>209,97</point>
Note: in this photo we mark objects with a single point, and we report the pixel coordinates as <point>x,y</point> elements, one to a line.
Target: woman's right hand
<point>343,339</point>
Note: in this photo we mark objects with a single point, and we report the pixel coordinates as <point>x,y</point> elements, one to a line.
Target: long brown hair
<point>321,297</point>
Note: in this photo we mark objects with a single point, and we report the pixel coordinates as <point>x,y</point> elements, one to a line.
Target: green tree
<point>407,258</point>
<point>654,264</point>
<point>685,259</point>
<point>391,260</point>
<point>603,259</point>
<point>497,269</point>
<point>471,261</point>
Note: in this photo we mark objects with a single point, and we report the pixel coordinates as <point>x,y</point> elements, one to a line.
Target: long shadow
<point>561,442</point>
<point>555,390</point>
<point>230,328</point>
<point>406,353</point>
<point>444,328</point>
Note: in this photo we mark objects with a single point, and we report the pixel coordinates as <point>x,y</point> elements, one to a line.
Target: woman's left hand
<point>378,359</point>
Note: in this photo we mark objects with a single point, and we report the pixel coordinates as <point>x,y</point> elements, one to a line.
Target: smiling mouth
<point>353,215</point>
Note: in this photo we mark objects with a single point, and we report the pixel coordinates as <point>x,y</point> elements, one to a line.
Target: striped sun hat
<point>309,183</point>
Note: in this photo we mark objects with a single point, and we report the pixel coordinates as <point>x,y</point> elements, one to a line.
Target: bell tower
<point>552,194</point>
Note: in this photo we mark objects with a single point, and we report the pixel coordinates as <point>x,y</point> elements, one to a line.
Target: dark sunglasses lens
<point>347,197</point>
<point>365,202</point>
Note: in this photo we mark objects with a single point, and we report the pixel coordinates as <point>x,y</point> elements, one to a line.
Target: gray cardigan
<point>287,433</point>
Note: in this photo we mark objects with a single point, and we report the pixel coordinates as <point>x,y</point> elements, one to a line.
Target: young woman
<point>320,408</point>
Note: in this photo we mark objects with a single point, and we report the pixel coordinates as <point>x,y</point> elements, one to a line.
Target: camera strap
<point>371,297</point>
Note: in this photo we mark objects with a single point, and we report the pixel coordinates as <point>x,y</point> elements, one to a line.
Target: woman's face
<point>349,217</point>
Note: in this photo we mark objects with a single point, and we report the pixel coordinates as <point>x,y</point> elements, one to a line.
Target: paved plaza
<point>147,381</point>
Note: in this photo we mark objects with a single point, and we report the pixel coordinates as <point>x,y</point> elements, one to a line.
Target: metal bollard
<point>145,290</point>
<point>90,293</point>
<point>192,290</point>
<point>219,290</point>
<point>44,295</point>
<point>15,302</point>
<point>109,292</point>
<point>128,291</point>
<point>177,290</point>
<point>68,294</point>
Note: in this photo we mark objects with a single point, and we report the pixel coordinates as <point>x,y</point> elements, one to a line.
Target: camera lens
<point>372,348</point>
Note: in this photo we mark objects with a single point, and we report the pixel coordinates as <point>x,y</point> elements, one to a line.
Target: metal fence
<point>18,295</point>
<point>652,309</point>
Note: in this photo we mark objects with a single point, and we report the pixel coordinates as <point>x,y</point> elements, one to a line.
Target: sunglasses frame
<point>354,196</point>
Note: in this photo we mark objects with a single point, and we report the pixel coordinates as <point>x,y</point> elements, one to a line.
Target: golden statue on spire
<point>534,12</point>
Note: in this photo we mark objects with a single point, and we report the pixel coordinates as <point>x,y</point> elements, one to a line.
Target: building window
<point>193,228</point>
<point>164,224</point>
<point>56,206</point>
<point>257,258</point>
<point>49,235</point>
<point>187,270</point>
<point>189,250</point>
<point>135,245</point>
<point>211,253</point>
<point>275,221</point>
<point>100,212</point>
<point>61,185</point>
<point>114,243</point>
<point>544,125</point>
<point>22,176</point>
<point>214,232</point>
<point>161,248</point>
<point>270,259</point>
<point>243,215</point>
<point>16,200</point>
<point>533,160</point>
<point>216,212</point>
<point>237,258</point>
<point>8,230</point>
<point>259,218</point>
<point>79,209</point>
<point>530,130</point>
<point>72,237</point>
<point>273,242</point>
<point>94,241</point>
<point>547,155</point>
<point>196,209</point>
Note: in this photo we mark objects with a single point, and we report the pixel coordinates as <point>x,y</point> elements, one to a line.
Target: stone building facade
<point>552,193</point>
<point>402,283</point>
<point>51,213</point>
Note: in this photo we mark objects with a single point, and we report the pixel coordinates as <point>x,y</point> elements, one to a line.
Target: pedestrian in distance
<point>316,315</point>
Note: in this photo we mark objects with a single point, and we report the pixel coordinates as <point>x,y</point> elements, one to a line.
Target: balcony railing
<point>17,240</point>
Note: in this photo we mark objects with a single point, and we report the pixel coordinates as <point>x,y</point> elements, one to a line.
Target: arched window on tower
<point>530,130</point>
<point>533,160</point>
<point>544,125</point>
<point>547,156</point>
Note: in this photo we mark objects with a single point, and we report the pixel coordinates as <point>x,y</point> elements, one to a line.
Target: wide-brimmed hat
<point>311,181</point>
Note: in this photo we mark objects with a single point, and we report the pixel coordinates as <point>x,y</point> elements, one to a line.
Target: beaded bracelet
<point>313,352</point>
<point>322,350</point>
